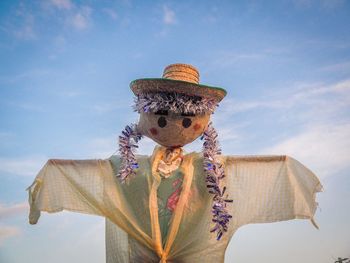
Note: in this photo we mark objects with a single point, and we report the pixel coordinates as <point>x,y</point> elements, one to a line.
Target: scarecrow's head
<point>174,110</point>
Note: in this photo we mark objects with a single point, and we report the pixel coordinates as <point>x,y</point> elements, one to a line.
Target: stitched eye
<point>161,122</point>
<point>186,122</point>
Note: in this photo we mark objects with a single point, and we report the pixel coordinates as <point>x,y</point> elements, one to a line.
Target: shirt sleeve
<point>74,185</point>
<point>271,188</point>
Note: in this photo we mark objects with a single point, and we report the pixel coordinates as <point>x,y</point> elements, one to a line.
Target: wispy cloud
<point>77,17</point>
<point>108,107</point>
<point>111,13</point>
<point>13,210</point>
<point>102,147</point>
<point>224,59</point>
<point>62,4</point>
<point>233,59</point>
<point>228,133</point>
<point>93,235</point>
<point>105,107</point>
<point>29,74</point>
<point>338,67</point>
<point>10,211</point>
<point>80,20</point>
<point>60,43</point>
<point>22,166</point>
<point>146,146</point>
<point>169,17</point>
<point>324,148</point>
<point>26,31</point>
<point>321,114</point>
<point>21,24</point>
<point>326,44</point>
<point>310,94</point>
<point>8,232</point>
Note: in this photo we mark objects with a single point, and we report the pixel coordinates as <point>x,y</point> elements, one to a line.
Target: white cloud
<point>318,112</point>
<point>111,106</point>
<point>30,74</point>
<point>60,43</point>
<point>338,67</point>
<point>230,59</point>
<point>25,24</point>
<point>93,234</point>
<point>227,134</point>
<point>8,232</point>
<point>225,59</point>
<point>168,16</point>
<point>232,106</point>
<point>105,107</point>
<point>146,146</point>
<point>102,147</point>
<point>22,166</point>
<point>13,210</point>
<point>111,13</point>
<point>80,20</point>
<point>323,148</point>
<point>311,94</point>
<point>62,4</point>
<point>75,16</point>
<point>26,32</point>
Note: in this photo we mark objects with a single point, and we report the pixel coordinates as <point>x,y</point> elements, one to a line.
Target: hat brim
<point>149,85</point>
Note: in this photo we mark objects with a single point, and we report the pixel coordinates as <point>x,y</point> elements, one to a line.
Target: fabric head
<point>175,110</point>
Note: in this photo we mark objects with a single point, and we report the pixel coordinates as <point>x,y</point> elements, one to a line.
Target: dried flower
<point>127,145</point>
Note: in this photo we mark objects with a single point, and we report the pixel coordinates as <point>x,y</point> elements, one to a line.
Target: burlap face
<point>172,130</point>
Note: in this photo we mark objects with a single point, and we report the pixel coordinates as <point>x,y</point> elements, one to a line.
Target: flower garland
<point>127,145</point>
<point>214,173</point>
<point>174,102</point>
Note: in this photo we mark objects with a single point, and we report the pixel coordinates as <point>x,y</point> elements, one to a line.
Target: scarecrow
<point>172,206</point>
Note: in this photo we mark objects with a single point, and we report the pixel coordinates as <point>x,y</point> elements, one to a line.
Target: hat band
<point>181,72</point>
<point>181,76</point>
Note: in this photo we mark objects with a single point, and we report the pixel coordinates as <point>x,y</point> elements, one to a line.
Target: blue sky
<point>65,68</point>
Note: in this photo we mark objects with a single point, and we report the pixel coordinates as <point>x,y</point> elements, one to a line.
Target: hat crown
<point>183,72</point>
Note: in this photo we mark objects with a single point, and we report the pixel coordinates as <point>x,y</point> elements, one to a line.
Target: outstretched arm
<point>90,186</point>
<point>75,185</point>
<point>271,188</point>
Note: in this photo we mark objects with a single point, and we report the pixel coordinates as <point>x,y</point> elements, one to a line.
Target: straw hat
<point>178,78</point>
